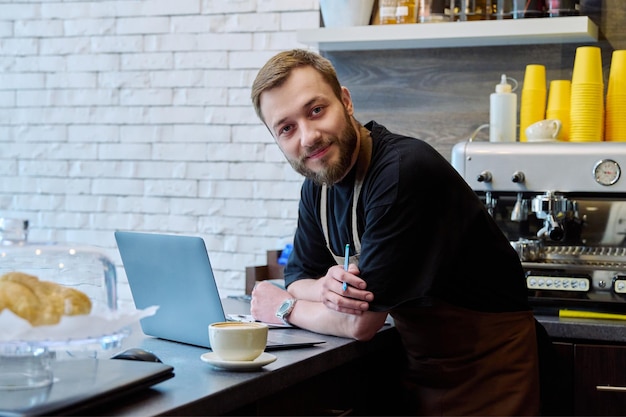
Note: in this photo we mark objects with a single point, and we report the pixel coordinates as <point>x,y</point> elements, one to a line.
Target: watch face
<point>284,308</point>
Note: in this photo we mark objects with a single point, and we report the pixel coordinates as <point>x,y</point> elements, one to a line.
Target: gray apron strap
<point>363,162</point>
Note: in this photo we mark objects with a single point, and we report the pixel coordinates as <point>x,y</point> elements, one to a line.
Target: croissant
<point>40,302</point>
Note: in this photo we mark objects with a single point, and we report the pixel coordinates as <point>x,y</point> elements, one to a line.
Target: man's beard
<point>330,174</point>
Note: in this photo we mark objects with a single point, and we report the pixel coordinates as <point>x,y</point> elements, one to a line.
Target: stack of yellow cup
<point>615,123</point>
<point>533,100</point>
<point>559,105</point>
<point>587,99</point>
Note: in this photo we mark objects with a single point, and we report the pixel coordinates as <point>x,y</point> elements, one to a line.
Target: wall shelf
<point>571,29</point>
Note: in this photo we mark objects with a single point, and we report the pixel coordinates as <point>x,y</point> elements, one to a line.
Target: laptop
<point>174,272</point>
<point>82,386</point>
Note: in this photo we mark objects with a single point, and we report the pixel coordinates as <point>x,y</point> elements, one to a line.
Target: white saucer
<point>264,359</point>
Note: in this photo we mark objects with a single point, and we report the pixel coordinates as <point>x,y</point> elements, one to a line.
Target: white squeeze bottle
<point>503,113</point>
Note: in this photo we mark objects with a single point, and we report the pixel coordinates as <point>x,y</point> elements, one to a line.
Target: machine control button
<point>518,177</point>
<point>484,176</point>
<point>540,282</point>
<point>619,284</point>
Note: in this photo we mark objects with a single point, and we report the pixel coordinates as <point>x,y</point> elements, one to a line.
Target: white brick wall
<point>135,115</point>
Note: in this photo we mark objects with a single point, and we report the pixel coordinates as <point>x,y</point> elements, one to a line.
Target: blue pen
<point>346,264</point>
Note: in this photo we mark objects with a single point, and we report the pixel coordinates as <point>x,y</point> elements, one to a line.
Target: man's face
<point>312,127</point>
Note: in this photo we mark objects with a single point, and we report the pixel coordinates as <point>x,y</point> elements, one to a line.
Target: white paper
<point>100,323</point>
<point>247,318</point>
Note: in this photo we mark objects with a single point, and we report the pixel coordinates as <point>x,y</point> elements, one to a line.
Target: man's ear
<point>347,100</point>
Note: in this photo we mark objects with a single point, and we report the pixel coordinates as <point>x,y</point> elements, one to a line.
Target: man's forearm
<point>316,317</point>
<point>305,289</point>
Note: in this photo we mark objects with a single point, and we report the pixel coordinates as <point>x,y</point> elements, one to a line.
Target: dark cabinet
<point>591,380</point>
<point>599,380</point>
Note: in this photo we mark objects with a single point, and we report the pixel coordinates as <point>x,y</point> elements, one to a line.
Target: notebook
<point>174,272</point>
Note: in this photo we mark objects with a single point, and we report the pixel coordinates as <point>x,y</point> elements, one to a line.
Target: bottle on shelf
<point>387,11</point>
<point>471,9</point>
<point>406,11</point>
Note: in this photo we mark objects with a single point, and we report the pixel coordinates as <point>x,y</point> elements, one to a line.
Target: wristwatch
<point>285,309</point>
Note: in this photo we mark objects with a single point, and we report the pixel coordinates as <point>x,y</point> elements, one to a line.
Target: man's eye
<point>285,129</point>
<point>316,110</point>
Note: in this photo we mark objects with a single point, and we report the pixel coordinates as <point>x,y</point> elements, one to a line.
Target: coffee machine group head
<point>558,214</point>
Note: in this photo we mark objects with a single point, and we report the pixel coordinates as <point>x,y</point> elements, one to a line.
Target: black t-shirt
<point>424,233</point>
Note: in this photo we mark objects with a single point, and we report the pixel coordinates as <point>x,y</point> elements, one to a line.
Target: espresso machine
<point>562,206</point>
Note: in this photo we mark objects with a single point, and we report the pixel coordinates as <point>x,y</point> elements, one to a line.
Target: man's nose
<point>309,134</point>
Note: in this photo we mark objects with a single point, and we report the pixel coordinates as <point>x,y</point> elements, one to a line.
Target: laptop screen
<point>174,273</point>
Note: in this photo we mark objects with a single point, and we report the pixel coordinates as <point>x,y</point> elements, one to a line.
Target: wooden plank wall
<point>442,95</point>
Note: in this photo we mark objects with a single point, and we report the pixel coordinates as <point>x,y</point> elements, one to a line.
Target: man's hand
<point>266,298</point>
<point>354,300</point>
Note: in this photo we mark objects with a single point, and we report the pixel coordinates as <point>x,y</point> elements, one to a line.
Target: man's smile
<point>318,153</point>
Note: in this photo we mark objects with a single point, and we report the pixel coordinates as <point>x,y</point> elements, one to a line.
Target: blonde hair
<point>276,71</point>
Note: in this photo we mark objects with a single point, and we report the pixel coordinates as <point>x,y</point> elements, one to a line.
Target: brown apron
<point>464,362</point>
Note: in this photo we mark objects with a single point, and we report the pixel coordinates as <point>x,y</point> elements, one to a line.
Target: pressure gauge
<point>606,172</point>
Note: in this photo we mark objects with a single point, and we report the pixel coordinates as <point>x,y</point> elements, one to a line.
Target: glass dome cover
<point>82,267</point>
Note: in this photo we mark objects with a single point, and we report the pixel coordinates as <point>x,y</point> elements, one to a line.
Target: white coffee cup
<point>238,341</point>
<point>543,130</point>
